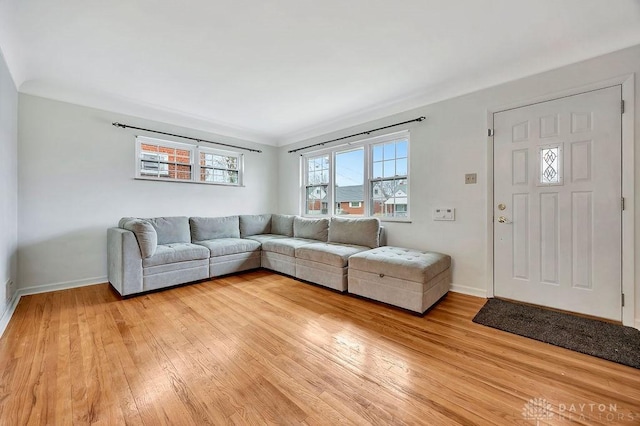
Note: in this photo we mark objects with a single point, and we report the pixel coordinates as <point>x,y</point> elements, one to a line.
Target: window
<point>367,178</point>
<point>349,182</point>
<point>219,168</point>
<point>550,165</point>
<point>154,163</point>
<point>317,185</point>
<point>164,161</point>
<point>173,161</point>
<point>389,177</point>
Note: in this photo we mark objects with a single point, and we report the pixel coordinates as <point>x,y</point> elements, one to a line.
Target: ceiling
<point>279,71</point>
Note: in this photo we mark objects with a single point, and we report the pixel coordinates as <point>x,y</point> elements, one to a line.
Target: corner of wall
<point>8,313</point>
<point>8,188</point>
<point>470,291</point>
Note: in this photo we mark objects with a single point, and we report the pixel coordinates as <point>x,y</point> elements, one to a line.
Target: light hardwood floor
<point>259,348</point>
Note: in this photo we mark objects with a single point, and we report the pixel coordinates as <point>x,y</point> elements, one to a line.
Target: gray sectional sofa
<point>148,254</point>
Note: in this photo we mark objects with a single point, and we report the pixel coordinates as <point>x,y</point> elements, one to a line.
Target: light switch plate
<point>444,213</point>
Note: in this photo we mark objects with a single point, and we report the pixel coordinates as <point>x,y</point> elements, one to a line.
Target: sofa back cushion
<point>171,229</point>
<point>315,229</point>
<point>255,224</point>
<point>282,224</point>
<point>145,234</point>
<point>210,228</point>
<point>361,231</point>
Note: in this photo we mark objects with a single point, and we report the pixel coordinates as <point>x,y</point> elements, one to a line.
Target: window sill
<point>188,181</point>
<point>396,220</point>
<point>327,216</point>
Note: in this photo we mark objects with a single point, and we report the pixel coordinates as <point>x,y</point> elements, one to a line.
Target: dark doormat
<point>608,341</point>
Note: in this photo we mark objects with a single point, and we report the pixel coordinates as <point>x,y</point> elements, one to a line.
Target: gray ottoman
<point>410,279</point>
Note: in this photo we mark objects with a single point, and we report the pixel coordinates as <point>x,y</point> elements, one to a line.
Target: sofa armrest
<point>125,261</point>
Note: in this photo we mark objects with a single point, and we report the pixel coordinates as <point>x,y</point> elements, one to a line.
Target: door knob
<point>503,219</point>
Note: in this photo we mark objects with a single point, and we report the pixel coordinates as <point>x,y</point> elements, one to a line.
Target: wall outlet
<point>470,178</point>
<point>444,213</point>
<point>9,290</point>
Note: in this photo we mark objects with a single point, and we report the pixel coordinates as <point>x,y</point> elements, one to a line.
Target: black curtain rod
<point>124,126</point>
<point>357,134</point>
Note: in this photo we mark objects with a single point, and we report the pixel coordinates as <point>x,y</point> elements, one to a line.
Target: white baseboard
<point>471,291</point>
<point>46,288</point>
<point>11,308</point>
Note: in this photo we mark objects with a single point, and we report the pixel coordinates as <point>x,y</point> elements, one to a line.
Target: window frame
<point>367,144</point>
<point>194,156</point>
<point>147,172</point>
<point>351,147</point>
<point>305,186</point>
<point>239,161</point>
<point>371,180</point>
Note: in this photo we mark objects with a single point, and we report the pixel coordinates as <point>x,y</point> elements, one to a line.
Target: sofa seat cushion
<point>176,252</point>
<point>328,253</point>
<point>226,246</point>
<point>286,246</point>
<point>261,238</point>
<point>401,263</point>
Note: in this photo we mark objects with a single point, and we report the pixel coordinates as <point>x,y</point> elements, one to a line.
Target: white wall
<point>76,179</point>
<point>453,141</point>
<point>8,184</point>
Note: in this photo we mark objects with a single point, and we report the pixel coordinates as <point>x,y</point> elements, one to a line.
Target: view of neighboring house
<point>317,202</point>
<point>389,199</point>
<point>350,200</point>
<point>163,161</point>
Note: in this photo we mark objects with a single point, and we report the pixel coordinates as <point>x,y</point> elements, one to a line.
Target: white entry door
<point>558,203</point>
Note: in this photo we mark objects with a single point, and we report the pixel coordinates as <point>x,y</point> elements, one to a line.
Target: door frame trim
<point>628,191</point>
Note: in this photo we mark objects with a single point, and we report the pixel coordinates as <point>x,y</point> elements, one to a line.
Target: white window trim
<point>195,151</point>
<point>381,140</point>
<point>368,155</point>
<point>207,150</point>
<point>305,184</point>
